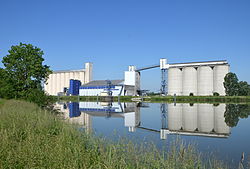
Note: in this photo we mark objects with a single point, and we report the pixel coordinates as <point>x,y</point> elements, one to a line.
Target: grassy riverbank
<point>35,138</point>
<point>179,99</point>
<point>1,102</point>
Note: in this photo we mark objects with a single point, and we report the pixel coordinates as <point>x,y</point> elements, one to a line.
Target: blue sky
<point>114,34</point>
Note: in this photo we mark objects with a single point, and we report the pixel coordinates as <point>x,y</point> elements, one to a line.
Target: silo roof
<point>103,83</point>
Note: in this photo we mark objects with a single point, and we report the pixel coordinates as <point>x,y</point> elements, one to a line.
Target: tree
<point>6,88</point>
<point>244,88</point>
<point>231,84</point>
<point>24,70</point>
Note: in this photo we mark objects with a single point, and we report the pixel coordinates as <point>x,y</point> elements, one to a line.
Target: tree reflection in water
<point>234,112</point>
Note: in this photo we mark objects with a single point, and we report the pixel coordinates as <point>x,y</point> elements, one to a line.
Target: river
<point>218,129</point>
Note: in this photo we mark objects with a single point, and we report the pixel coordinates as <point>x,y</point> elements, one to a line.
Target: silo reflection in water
<point>205,117</point>
<point>220,126</point>
<point>174,116</point>
<point>189,117</point>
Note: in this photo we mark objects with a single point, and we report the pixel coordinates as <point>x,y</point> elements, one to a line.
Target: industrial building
<point>192,78</point>
<point>130,86</point>
<point>187,79</point>
<point>59,81</point>
<point>197,78</point>
<point>102,87</point>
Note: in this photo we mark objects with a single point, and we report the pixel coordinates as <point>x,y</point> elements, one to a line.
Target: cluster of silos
<point>204,118</point>
<point>199,80</point>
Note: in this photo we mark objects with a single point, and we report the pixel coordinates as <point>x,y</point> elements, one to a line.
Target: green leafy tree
<point>244,88</point>
<point>24,70</point>
<point>231,84</point>
<point>6,88</point>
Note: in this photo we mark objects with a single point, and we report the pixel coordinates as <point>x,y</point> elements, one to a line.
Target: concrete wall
<point>58,80</point>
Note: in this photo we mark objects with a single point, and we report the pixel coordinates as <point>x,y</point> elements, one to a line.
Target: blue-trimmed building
<point>101,88</point>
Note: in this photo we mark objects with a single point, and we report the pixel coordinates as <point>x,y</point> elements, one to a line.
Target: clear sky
<point>114,34</point>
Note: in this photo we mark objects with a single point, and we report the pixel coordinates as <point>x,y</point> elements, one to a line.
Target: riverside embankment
<point>169,99</point>
<point>35,138</point>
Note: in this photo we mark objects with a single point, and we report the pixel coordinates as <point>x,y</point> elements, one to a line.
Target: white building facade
<point>100,88</point>
<point>59,80</point>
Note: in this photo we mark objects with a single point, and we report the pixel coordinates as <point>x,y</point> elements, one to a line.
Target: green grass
<point>203,99</point>
<point>35,138</point>
<point>1,102</point>
<point>169,99</point>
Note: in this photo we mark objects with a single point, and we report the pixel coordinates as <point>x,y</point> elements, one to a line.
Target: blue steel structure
<point>163,89</point>
<point>163,82</point>
<point>109,86</point>
<point>74,86</point>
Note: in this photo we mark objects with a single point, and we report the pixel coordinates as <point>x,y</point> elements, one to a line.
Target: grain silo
<point>174,116</point>
<point>189,83</point>
<point>59,80</point>
<point>175,81</point>
<point>220,72</point>
<point>220,125</point>
<point>205,80</point>
<point>205,117</point>
<point>189,117</point>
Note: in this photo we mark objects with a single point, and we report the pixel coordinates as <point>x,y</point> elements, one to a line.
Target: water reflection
<point>234,112</point>
<point>185,119</point>
<point>197,119</point>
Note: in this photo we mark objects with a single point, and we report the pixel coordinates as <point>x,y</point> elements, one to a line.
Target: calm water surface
<point>219,129</point>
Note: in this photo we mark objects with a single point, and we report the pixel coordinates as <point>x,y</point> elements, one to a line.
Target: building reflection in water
<point>184,119</point>
<point>73,115</point>
<point>197,119</point>
<point>129,111</point>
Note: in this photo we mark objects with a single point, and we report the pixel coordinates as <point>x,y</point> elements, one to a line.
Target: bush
<point>39,97</point>
<point>216,94</point>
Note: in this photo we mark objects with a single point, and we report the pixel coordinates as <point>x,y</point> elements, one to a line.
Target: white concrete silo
<point>67,79</point>
<point>53,76</point>
<point>205,117</point>
<point>58,81</point>
<point>205,81</point>
<point>61,83</point>
<point>220,72</point>
<point>174,116</point>
<point>189,117</point>
<point>220,125</point>
<point>174,81</point>
<point>189,84</point>
<point>71,75</point>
